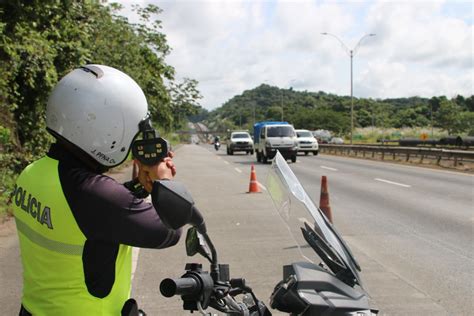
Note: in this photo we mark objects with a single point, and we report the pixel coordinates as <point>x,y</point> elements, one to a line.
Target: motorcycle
<point>217,145</point>
<point>330,287</point>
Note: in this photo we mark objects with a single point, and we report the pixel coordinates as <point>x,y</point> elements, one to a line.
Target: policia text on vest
<point>31,205</point>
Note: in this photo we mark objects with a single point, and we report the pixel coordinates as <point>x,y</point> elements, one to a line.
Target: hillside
<point>320,110</point>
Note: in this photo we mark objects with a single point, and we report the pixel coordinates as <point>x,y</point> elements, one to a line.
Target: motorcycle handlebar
<point>181,286</point>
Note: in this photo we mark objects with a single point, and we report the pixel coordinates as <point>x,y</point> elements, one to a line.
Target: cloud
<point>419,33</point>
<point>422,48</point>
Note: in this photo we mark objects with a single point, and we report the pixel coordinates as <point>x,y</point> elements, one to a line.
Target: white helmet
<point>97,108</point>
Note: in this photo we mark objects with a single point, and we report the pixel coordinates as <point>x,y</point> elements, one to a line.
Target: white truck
<point>272,136</point>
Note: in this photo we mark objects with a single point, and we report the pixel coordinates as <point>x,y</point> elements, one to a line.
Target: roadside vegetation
<point>41,41</point>
<point>372,134</point>
<point>320,110</point>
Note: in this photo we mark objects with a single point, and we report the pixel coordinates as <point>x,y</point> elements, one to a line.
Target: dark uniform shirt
<point>108,214</point>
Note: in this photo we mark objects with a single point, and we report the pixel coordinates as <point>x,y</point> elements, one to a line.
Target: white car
<point>240,141</point>
<point>306,142</point>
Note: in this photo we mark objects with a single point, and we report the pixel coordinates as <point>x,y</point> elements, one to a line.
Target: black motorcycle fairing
<point>308,289</point>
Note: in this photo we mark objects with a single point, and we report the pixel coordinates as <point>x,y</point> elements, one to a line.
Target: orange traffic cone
<point>253,186</point>
<point>324,199</point>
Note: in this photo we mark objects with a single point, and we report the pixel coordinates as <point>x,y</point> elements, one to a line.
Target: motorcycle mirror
<point>175,206</point>
<point>195,243</point>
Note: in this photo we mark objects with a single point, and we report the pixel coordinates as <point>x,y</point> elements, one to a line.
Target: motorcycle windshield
<point>313,233</point>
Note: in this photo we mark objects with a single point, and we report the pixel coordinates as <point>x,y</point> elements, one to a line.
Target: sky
<point>420,48</point>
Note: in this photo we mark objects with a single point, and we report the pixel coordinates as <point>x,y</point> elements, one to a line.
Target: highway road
<point>416,223</point>
<point>410,228</point>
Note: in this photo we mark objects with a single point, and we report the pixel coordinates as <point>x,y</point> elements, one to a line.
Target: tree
<point>467,121</point>
<point>274,113</point>
<point>304,109</point>
<point>363,118</point>
<point>322,119</point>
<point>449,117</point>
<point>44,40</point>
<point>410,117</point>
<point>184,100</point>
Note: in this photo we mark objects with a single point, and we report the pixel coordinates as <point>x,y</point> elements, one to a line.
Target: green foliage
<point>6,186</point>
<point>41,41</point>
<point>467,122</point>
<point>184,97</point>
<point>410,117</point>
<point>319,110</point>
<point>4,136</point>
<point>339,123</point>
<point>449,117</point>
<point>370,135</point>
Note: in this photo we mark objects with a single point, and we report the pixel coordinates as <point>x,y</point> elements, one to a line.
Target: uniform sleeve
<point>106,210</point>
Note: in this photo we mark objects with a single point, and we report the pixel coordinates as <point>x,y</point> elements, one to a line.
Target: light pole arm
<point>360,41</point>
<point>344,46</point>
<point>351,53</point>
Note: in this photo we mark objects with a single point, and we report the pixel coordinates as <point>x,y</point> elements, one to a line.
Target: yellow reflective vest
<point>51,246</point>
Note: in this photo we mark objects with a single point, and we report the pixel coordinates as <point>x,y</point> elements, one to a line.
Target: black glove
<point>136,188</point>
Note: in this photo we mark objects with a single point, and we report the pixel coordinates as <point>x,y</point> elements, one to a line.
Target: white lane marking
<point>238,170</point>
<point>262,186</point>
<point>226,162</point>
<point>395,183</point>
<point>328,168</point>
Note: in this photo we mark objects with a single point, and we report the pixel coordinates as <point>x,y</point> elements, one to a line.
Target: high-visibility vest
<point>51,246</point>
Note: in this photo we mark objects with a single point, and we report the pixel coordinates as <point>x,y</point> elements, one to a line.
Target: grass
<point>370,135</point>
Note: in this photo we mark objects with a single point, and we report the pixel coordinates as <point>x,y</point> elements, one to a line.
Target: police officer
<point>76,225</point>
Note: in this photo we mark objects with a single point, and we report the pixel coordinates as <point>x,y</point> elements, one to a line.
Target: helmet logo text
<point>102,156</point>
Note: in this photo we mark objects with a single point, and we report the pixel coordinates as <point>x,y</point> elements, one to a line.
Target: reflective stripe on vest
<point>52,244</point>
<point>57,246</point>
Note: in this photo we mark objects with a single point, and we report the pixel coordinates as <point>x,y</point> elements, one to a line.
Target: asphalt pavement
<point>415,225</point>
<point>411,230</point>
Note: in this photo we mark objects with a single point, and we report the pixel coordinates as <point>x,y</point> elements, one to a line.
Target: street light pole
<point>351,53</point>
<point>352,99</point>
<point>281,98</point>
<point>253,113</point>
<point>281,103</point>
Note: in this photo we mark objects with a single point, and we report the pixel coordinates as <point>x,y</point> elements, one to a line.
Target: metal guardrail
<point>409,152</point>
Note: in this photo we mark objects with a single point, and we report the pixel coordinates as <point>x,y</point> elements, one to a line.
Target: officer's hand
<point>170,163</point>
<point>160,171</point>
